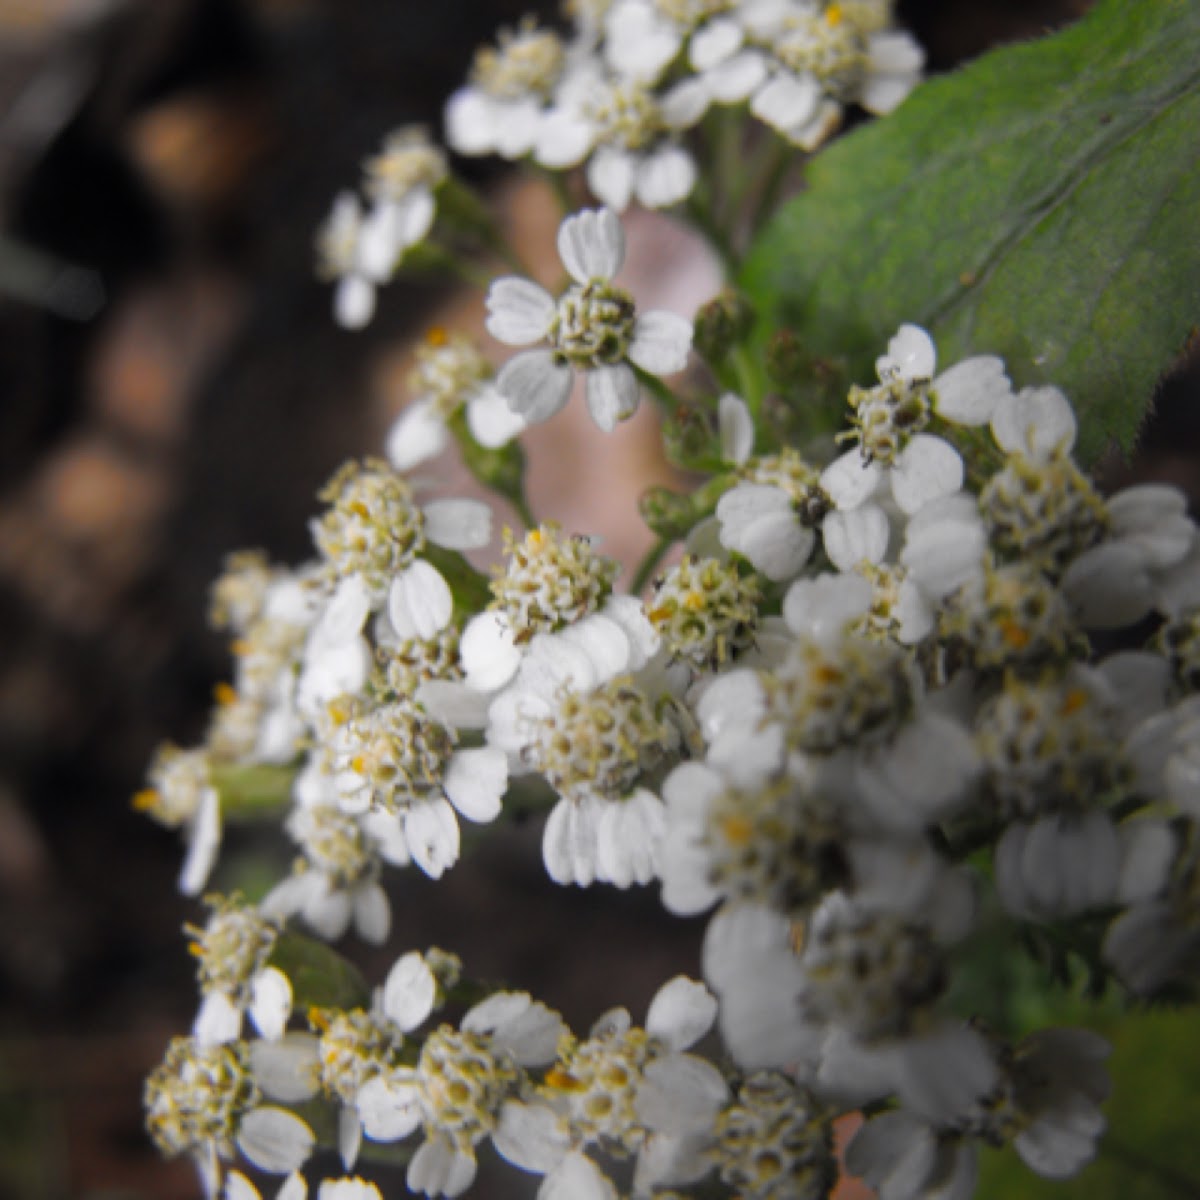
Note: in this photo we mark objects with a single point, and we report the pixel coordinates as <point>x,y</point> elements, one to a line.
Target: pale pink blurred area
<point>588,481</point>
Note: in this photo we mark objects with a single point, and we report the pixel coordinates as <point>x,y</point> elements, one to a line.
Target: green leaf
<point>320,976</point>
<point>1040,204</point>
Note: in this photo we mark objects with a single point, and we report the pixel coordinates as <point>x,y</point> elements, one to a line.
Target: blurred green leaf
<point>1040,204</point>
<point>319,975</point>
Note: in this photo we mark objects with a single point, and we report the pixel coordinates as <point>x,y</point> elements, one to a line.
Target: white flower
<point>919,467</point>
<point>450,374</point>
<point>593,327</point>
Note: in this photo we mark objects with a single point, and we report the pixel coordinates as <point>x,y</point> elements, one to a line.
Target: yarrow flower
<point>594,328</point>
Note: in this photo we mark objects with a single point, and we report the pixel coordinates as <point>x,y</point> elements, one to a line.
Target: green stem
<point>649,564</point>
<point>662,394</point>
<point>521,504</point>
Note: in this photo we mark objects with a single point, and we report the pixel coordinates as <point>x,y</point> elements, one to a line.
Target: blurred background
<point>172,388</point>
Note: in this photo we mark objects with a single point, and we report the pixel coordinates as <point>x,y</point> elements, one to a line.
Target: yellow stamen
<point>437,336</point>
<point>145,800</point>
<point>737,830</point>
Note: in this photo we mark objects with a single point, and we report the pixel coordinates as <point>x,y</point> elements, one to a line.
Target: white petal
<point>420,602</point>
<point>409,991</point>
<point>1108,586</point>
<point>778,545</point>
<point>610,177</point>
<point>372,914</point>
<point>969,392</point>
<point>458,524</point>
<point>737,429</point>
<point>353,301</point>
<point>928,468</point>
<point>491,422</point>
<point>737,78</point>
<point>563,140</point>
<point>629,838</point>
<point>681,1013</point>
<point>530,1136</point>
<point>218,1020</point>
<point>469,122</point>
<point>488,651</point>
<point>569,842</point>
<point>850,480</point>
<point>787,102</point>
<point>274,1140</point>
<point>349,1137</point>
<point>577,1178</point>
<point>661,341</point>
<point>204,841</point>
<point>910,355</point>
<point>612,395</point>
<point>418,435</point>
<point>629,613</point>
<point>347,1189</point>
<point>517,124</point>
<point>685,103</point>
<point>452,703</point>
<point>345,614</point>
<point>604,641</point>
<point>1148,850</point>
<point>431,830</point>
<point>438,1169</point>
<point>1153,517</point>
<point>287,1070</point>
<point>664,177</point>
<point>389,1110</point>
<point>860,535</point>
<point>238,1187</point>
<point>680,1094</point>
<point>820,608</point>
<point>524,1029</point>
<point>519,311</point>
<point>1034,422</point>
<point>535,384</point>
<point>271,1002</point>
<point>475,781</point>
<point>714,42</point>
<point>591,244</point>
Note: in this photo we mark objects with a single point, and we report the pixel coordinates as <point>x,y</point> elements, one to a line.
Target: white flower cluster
<point>879,690</point>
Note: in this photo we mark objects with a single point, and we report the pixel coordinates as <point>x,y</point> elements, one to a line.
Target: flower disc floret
<point>404,665</point>
<point>827,46</point>
<point>550,580</point>
<point>198,1094</point>
<point>627,115</point>
<point>354,1047</point>
<point>594,324</point>
<point>334,843</point>
<point>463,1083</point>
<point>232,947</point>
<point>179,781</point>
<point>1021,620</point>
<point>1178,641</point>
<point>829,696</point>
<point>448,370</point>
<point>1043,511</point>
<point>599,741</point>
<point>869,973</point>
<point>777,844</point>
<point>408,160</point>
<point>774,1142</point>
<point>393,755</point>
<point>887,415</point>
<point>372,527</point>
<point>597,1083</point>
<point>705,611</point>
<point>526,61</point>
<point>1048,747</point>
<point>237,597</point>
<point>792,474</point>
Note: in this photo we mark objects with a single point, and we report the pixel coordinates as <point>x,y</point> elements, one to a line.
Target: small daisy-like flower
<point>502,108</point>
<point>181,794</point>
<point>643,37</point>
<point>775,1142</point>
<point>888,420</point>
<point>202,1100</point>
<point>232,951</point>
<point>456,1090</point>
<point>594,327</point>
<point>401,181</point>
<point>705,611</point>
<point>451,374</point>
<point>630,1090</point>
<point>403,768</point>
<point>354,259</point>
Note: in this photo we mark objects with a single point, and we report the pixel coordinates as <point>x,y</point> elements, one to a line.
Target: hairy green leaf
<point>1041,204</point>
